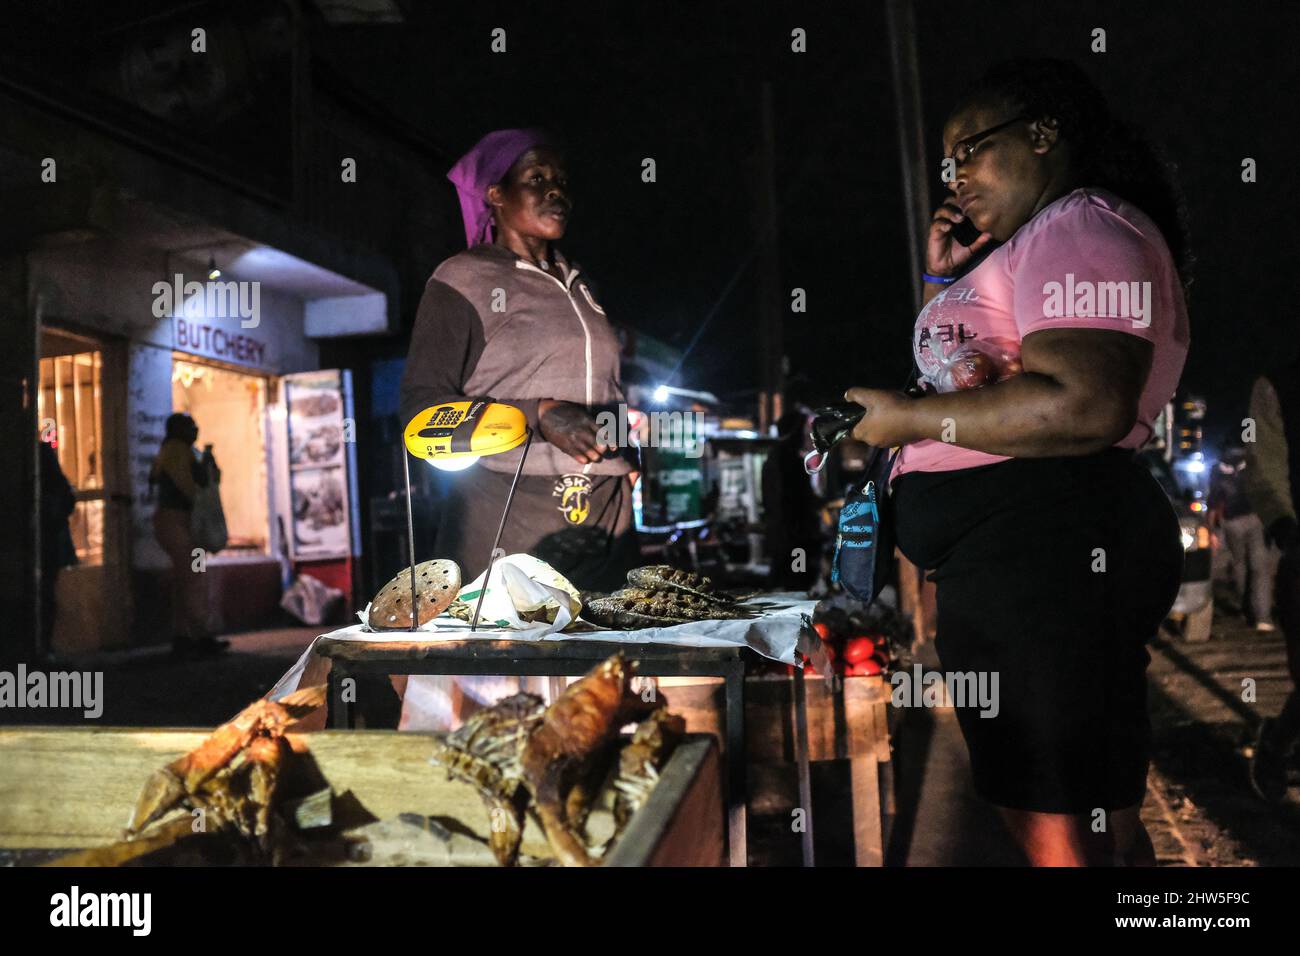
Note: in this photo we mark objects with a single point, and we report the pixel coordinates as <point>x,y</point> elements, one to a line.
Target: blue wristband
<point>938,280</point>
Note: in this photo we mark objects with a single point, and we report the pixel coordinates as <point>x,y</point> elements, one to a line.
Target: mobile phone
<point>966,232</point>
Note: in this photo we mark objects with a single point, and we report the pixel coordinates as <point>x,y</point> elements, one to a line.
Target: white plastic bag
<point>310,600</point>
<point>208,518</point>
<point>524,591</point>
<point>971,364</point>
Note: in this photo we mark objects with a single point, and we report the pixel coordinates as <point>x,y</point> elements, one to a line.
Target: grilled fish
<point>576,732</point>
<point>485,753</point>
<point>680,604</point>
<point>634,608</point>
<point>641,760</point>
<point>662,577</point>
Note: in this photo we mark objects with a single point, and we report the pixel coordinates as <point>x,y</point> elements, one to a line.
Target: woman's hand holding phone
<point>944,252</point>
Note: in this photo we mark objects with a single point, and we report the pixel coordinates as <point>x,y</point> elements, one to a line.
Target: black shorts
<point>1016,550</point>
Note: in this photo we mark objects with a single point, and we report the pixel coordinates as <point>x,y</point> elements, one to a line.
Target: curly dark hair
<point>1109,153</point>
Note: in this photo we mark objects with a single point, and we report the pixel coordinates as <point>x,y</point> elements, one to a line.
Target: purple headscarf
<point>485,164</point>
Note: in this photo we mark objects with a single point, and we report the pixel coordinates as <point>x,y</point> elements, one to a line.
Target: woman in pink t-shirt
<point>1046,348</point>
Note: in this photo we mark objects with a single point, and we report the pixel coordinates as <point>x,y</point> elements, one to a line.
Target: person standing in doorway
<point>57,552</point>
<point>178,474</point>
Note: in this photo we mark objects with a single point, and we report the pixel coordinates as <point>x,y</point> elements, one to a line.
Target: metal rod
<point>77,437</point>
<point>804,770</point>
<point>905,76</point>
<point>410,534</point>
<point>770,316</point>
<point>487,575</point>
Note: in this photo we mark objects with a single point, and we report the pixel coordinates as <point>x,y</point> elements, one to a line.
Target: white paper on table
<point>440,628</point>
<point>518,586</point>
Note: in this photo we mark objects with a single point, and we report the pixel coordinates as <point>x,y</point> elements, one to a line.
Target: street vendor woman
<point>512,319</point>
<point>1054,552</point>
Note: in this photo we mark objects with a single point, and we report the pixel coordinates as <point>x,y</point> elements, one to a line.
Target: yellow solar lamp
<point>465,430</point>
<point>452,436</point>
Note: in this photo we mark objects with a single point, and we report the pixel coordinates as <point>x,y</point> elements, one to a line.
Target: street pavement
<point>1200,810</point>
<point>149,688</point>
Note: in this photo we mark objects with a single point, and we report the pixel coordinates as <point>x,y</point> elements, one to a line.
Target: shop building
<point>115,183</point>
<point>120,352</point>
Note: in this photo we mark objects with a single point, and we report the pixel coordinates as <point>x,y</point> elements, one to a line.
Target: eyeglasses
<point>965,148</point>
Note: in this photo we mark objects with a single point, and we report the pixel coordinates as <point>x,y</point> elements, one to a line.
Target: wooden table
<point>846,721</point>
<point>569,658</point>
<point>391,787</point>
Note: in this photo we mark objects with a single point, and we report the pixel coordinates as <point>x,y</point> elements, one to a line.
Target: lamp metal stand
<point>487,575</point>
<point>410,538</point>
<point>410,534</point>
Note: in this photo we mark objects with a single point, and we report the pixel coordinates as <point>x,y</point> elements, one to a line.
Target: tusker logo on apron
<point>574,492</point>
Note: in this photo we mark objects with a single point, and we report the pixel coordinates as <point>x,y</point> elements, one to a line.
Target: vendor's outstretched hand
<point>571,429</point>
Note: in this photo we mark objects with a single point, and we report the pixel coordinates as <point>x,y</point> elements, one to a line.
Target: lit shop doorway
<point>76,385</point>
<point>229,407</point>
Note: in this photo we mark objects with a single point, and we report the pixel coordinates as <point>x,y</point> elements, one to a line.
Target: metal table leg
<point>556,685</point>
<point>801,761</point>
<point>737,793</point>
<point>341,715</point>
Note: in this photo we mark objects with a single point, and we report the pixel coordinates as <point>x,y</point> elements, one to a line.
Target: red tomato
<point>858,649</point>
<point>974,370</point>
<point>868,668</point>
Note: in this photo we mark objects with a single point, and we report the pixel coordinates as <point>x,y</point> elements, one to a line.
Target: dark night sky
<point>681,83</point>
<point>684,88</point>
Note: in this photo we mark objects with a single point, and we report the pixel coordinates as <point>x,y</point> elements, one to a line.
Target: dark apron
<point>581,525</point>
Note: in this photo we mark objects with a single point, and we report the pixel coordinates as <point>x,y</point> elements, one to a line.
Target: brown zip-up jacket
<point>492,325</point>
